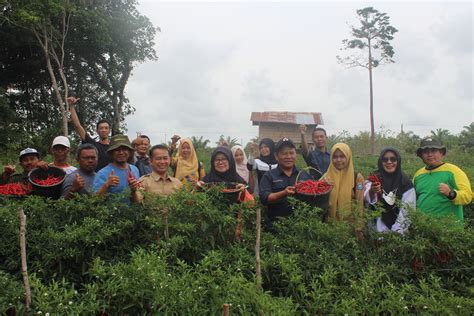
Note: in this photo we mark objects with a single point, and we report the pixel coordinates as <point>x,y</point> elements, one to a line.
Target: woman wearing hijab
<point>186,166</point>
<point>348,188</point>
<point>223,171</point>
<point>394,192</point>
<point>223,168</point>
<point>241,165</point>
<point>265,161</point>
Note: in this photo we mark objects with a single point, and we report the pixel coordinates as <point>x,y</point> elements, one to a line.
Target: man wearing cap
<point>119,174</point>
<point>81,180</point>
<point>320,157</point>
<point>279,183</point>
<point>103,130</point>
<point>441,188</point>
<point>29,160</point>
<point>60,150</point>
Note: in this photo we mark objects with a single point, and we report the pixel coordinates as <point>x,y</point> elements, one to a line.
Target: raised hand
<point>42,164</point>
<point>254,148</point>
<point>9,169</point>
<point>71,101</point>
<point>133,183</point>
<point>290,190</point>
<point>175,139</point>
<point>112,180</point>
<point>78,184</point>
<point>302,128</point>
<point>375,188</point>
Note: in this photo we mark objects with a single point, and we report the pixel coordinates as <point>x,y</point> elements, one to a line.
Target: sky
<point>220,61</point>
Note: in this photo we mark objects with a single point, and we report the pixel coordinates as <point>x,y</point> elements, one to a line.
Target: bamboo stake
<point>166,232</point>
<point>24,269</point>
<point>226,309</point>
<point>258,268</point>
<point>238,228</point>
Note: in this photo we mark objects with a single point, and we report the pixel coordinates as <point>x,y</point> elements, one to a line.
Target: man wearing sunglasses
<point>441,188</point>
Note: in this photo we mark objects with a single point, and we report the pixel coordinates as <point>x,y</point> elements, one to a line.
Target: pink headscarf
<point>241,168</point>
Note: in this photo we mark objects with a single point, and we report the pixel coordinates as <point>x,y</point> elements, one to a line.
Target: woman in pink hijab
<point>241,166</point>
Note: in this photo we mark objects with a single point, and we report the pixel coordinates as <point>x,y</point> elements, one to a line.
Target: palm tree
<point>467,136</point>
<point>227,141</point>
<point>200,143</point>
<point>440,134</point>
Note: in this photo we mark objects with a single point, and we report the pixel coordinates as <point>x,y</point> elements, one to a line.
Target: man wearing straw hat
<point>441,188</point>
<point>119,174</point>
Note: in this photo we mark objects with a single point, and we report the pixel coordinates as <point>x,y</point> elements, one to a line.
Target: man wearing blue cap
<point>29,160</point>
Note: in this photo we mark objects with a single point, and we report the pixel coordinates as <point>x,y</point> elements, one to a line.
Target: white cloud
<point>218,62</point>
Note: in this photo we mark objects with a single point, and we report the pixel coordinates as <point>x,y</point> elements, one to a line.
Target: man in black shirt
<point>279,183</point>
<point>103,130</point>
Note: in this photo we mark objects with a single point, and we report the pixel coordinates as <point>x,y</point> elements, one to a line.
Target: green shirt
<point>428,198</point>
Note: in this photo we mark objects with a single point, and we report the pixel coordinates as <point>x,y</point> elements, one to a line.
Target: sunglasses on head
<point>391,159</point>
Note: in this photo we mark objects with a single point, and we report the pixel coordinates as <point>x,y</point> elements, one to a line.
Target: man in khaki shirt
<point>158,181</point>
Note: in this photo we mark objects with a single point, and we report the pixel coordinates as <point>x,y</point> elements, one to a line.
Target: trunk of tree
<point>54,83</point>
<point>118,106</point>
<point>62,108</point>
<point>372,128</point>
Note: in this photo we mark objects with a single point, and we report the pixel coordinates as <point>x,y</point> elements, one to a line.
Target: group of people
<point>112,164</point>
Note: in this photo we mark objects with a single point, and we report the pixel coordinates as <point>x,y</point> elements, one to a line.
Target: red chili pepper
<point>132,177</point>
<point>13,189</point>
<point>313,187</point>
<point>374,179</point>
<point>49,181</point>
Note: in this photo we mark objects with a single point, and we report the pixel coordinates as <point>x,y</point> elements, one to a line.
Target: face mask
<point>390,197</point>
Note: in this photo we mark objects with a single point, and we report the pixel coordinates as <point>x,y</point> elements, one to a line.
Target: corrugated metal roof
<point>308,118</point>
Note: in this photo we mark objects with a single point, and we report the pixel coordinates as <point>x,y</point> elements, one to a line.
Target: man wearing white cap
<point>60,150</point>
<point>29,159</point>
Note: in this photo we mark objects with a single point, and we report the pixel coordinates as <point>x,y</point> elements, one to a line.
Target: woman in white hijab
<point>241,166</point>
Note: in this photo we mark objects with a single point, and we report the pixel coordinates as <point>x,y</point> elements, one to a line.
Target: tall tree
<point>372,38</point>
<point>48,20</point>
<point>101,36</point>
<point>121,38</point>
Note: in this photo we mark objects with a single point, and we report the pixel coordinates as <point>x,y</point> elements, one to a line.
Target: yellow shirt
<point>156,184</point>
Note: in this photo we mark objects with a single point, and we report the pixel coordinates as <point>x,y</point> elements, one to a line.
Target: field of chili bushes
<point>94,257</point>
<point>88,256</point>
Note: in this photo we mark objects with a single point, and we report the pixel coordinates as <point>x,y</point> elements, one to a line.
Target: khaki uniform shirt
<point>154,183</point>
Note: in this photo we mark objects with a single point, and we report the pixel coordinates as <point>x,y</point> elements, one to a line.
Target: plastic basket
<point>228,190</point>
<point>49,191</point>
<point>320,200</point>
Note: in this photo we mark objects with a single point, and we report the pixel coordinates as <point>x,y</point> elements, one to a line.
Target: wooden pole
<point>24,268</point>
<point>165,222</point>
<point>226,309</point>
<point>258,268</point>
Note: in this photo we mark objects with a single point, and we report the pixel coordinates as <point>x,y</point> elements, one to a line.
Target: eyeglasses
<point>391,159</point>
<point>220,160</point>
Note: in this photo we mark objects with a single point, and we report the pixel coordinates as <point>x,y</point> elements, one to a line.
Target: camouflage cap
<point>430,143</point>
<point>119,140</point>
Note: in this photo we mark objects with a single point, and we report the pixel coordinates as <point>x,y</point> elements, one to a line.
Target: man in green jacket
<point>441,188</point>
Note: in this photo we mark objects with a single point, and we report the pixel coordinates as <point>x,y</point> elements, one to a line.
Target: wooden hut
<point>276,125</point>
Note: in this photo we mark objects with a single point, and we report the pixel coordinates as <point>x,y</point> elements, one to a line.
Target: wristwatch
<point>452,195</point>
